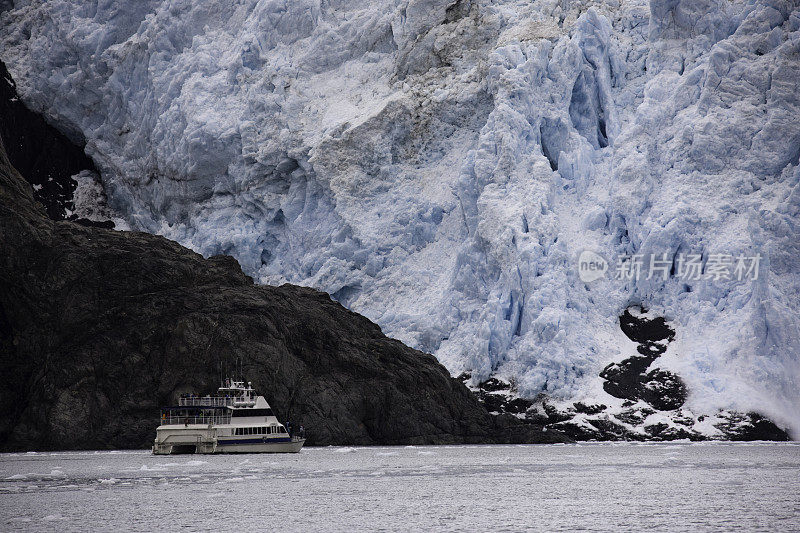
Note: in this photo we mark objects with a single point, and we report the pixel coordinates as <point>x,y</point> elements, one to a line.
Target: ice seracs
<point>439,166</point>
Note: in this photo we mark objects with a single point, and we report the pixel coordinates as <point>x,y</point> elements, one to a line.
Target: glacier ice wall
<point>438,165</point>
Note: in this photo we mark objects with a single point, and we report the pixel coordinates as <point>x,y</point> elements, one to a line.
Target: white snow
<point>90,201</point>
<point>439,167</point>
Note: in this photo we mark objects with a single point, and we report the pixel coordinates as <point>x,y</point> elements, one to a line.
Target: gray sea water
<point>590,487</point>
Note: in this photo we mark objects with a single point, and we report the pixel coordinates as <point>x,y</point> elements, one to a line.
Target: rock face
<point>631,380</point>
<point>43,155</point>
<point>99,328</point>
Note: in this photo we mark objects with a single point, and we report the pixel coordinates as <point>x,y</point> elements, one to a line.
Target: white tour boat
<point>235,421</point>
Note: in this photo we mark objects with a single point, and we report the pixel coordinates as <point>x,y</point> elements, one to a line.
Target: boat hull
<point>293,446</point>
<point>172,440</point>
<point>221,448</point>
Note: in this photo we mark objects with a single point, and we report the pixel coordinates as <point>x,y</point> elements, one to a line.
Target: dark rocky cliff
<point>45,157</point>
<point>98,328</point>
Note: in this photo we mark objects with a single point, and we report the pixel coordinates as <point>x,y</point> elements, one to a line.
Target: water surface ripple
<point>589,487</point>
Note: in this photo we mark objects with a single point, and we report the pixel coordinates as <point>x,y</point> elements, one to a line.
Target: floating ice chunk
<point>344,450</point>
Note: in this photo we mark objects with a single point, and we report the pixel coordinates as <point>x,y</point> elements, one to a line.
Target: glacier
<point>440,165</point>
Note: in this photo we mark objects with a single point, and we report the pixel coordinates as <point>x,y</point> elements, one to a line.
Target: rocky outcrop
<point>631,380</point>
<point>653,399</point>
<point>45,157</point>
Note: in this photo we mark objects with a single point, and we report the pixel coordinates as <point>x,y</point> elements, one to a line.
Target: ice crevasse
<point>439,166</point>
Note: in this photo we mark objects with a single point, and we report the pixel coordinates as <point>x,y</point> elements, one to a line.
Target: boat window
<point>251,412</point>
<point>264,431</point>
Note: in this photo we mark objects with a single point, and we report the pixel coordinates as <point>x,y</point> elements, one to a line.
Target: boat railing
<point>199,419</point>
<point>203,401</point>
